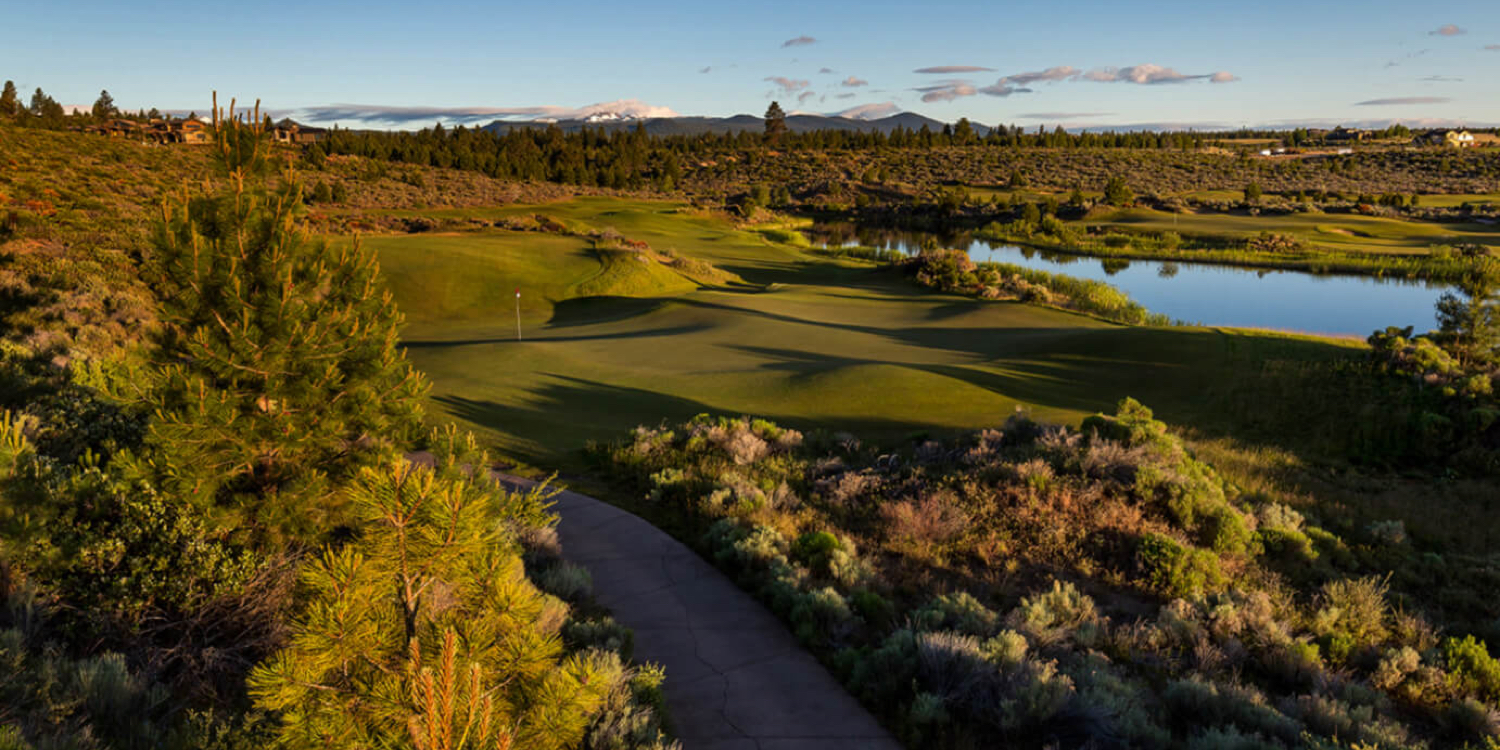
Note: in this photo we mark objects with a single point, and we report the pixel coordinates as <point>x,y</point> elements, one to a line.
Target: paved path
<point>736,679</point>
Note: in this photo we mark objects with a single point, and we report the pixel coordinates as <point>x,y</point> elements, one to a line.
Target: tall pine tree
<point>775,122</point>
<point>279,366</point>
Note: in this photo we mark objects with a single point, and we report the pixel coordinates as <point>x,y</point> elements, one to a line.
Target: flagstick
<point>518,313</point>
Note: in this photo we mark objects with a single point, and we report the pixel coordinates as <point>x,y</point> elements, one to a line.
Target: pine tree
<point>425,632</point>
<point>279,366</point>
<point>104,106</point>
<point>1469,326</point>
<point>10,104</point>
<point>775,122</point>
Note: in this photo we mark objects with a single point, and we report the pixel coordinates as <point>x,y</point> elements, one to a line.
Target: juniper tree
<point>425,633</point>
<point>278,361</point>
<point>10,104</point>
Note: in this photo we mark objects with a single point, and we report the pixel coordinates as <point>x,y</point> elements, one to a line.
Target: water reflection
<point>1206,293</point>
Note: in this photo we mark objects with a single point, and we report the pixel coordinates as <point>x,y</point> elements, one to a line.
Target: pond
<point>1204,293</point>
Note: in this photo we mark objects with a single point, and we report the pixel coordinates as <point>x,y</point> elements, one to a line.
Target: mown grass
<point>804,340</point>
<point>1341,232</point>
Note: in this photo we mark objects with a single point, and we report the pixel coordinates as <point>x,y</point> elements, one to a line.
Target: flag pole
<point>518,313</point>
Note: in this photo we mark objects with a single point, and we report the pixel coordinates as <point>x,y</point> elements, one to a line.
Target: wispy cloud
<point>376,114</point>
<point>1492,47</point>
<point>869,111</point>
<point>852,82</point>
<point>1403,101</point>
<point>946,91</point>
<point>951,69</point>
<point>849,95</point>
<point>1223,76</point>
<point>1441,79</point>
<point>1062,115</point>
<point>825,71</point>
<point>707,69</point>
<point>801,41</point>
<point>1003,89</point>
<point>1448,29</point>
<point>804,96</point>
<point>789,85</point>
<point>1146,74</point>
<point>1056,73</point>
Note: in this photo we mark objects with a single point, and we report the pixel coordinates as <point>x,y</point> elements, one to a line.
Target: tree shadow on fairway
<point>530,339</point>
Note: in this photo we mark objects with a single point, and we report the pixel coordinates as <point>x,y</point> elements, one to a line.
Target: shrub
<point>565,581</point>
<point>960,612</point>
<point>932,520</point>
<point>1059,614</point>
<point>1175,570</point>
<point>1198,702</point>
<point>1394,666</point>
<point>1471,669</point>
<point>822,616</point>
<point>1352,612</point>
<point>604,634</point>
<point>813,548</point>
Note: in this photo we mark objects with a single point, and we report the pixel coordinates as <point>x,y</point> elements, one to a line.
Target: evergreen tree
<point>1117,193</point>
<point>775,122</point>
<point>278,360</point>
<point>1469,325</point>
<point>425,633</point>
<point>104,106</point>
<point>10,104</point>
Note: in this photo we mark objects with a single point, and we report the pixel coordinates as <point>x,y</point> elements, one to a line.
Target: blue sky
<point>407,64</point>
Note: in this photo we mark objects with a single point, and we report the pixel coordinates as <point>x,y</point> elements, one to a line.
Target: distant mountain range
<point>796,123</point>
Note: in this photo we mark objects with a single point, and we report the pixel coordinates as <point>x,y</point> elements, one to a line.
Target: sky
<point>381,63</point>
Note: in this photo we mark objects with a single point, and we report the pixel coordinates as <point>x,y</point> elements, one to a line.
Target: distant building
<point>1342,133</point>
<point>191,130</point>
<point>289,131</point>
<point>1448,138</point>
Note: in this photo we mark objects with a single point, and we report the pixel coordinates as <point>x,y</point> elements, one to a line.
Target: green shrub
<point>1175,570</point>
<point>959,611</point>
<point>812,548</point>
<point>1198,702</point>
<point>565,580</point>
<point>1063,613</point>
<point>1471,669</point>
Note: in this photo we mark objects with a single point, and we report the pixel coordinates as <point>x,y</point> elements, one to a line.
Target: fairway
<point>1342,232</point>
<point>610,343</point>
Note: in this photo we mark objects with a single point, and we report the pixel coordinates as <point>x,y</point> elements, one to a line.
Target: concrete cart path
<point>736,679</point>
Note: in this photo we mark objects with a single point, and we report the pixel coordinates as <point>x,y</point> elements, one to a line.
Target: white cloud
<point>1145,74</point>
<point>1056,73</point>
<point>1403,101</point>
<point>951,69</point>
<point>869,111</point>
<point>1223,76</point>
<point>1003,89</point>
<point>1448,29</point>
<point>800,41</point>
<point>947,91</point>
<point>852,82</point>
<point>788,85</point>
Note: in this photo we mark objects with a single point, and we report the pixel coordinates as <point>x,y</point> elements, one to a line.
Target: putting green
<point>798,338</point>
